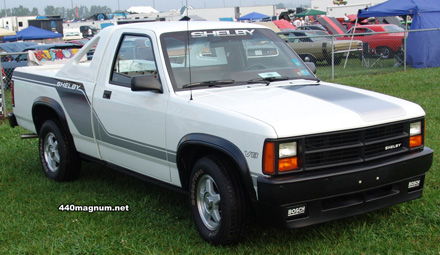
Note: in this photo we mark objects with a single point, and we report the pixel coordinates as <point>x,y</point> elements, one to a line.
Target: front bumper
<point>311,198</point>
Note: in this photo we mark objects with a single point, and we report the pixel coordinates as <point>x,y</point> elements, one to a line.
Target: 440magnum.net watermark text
<point>93,208</point>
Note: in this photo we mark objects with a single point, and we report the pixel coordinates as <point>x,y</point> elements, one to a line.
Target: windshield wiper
<point>213,83</point>
<point>311,79</point>
<point>268,80</point>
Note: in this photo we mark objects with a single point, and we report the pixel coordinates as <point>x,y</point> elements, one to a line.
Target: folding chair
<point>368,58</point>
<point>399,55</point>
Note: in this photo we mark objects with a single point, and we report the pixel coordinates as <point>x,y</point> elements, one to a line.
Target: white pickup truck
<point>229,114</point>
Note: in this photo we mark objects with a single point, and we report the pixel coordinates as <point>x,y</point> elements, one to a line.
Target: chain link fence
<point>9,61</point>
<point>338,56</point>
<point>349,55</point>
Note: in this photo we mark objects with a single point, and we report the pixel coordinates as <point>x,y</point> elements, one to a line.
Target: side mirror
<point>311,66</point>
<point>146,83</point>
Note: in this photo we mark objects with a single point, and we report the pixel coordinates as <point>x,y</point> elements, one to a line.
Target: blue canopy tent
<point>422,48</point>
<point>252,16</point>
<point>32,33</point>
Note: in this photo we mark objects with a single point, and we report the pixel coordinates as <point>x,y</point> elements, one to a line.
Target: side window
<point>134,57</point>
<point>293,40</point>
<point>368,31</point>
<point>360,31</point>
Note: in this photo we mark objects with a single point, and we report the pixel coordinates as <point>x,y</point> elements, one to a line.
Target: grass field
<point>159,220</point>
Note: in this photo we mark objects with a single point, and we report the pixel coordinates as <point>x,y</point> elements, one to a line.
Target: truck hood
<point>307,109</point>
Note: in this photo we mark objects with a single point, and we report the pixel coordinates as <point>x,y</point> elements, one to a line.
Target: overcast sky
<point>160,5</point>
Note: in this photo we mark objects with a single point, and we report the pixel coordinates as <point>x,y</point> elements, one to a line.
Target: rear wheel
<point>386,52</point>
<point>58,156</point>
<point>218,204</point>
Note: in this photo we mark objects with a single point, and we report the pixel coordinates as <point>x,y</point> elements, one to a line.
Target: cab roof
<point>177,26</point>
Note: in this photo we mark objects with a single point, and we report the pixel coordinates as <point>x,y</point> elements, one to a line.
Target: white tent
<point>142,9</point>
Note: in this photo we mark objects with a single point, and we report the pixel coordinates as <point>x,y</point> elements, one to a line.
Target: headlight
<point>280,157</point>
<point>287,150</point>
<point>415,128</point>
<point>416,132</point>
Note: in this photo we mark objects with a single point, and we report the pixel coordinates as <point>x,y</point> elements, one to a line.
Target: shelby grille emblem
<point>393,146</point>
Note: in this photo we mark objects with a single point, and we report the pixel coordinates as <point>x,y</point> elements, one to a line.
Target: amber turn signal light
<point>415,141</point>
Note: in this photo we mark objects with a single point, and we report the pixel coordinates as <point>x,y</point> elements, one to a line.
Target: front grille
<point>355,146</point>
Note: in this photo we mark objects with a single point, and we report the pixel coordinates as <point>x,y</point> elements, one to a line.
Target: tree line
<point>79,12</point>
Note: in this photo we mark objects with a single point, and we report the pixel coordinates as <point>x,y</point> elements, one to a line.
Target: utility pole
<point>6,12</point>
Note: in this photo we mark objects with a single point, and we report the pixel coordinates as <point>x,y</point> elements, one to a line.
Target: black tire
<point>58,156</point>
<point>386,52</point>
<point>218,204</point>
<point>308,58</point>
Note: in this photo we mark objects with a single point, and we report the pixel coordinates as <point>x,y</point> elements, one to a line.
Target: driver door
<point>130,125</point>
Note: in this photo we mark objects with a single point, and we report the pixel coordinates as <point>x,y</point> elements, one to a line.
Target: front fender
<point>212,143</point>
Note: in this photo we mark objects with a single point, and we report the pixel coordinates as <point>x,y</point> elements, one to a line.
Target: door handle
<point>107,94</point>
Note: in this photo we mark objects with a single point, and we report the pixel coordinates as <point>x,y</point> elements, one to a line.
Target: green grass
<point>159,220</point>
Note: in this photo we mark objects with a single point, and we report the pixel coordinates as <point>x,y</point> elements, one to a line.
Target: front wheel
<point>58,156</point>
<point>308,58</point>
<point>217,201</point>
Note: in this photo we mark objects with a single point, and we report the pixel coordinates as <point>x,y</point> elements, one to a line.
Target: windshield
<point>211,58</point>
<point>317,38</point>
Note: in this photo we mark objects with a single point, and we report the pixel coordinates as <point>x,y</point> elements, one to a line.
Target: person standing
<point>297,22</point>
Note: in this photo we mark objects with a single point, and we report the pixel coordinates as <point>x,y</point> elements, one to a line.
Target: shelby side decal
<point>78,108</point>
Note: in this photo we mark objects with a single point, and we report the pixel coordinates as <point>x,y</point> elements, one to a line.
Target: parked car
<point>386,43</point>
<point>72,34</point>
<point>81,42</point>
<point>312,27</point>
<point>88,31</point>
<point>315,45</point>
<point>10,61</point>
